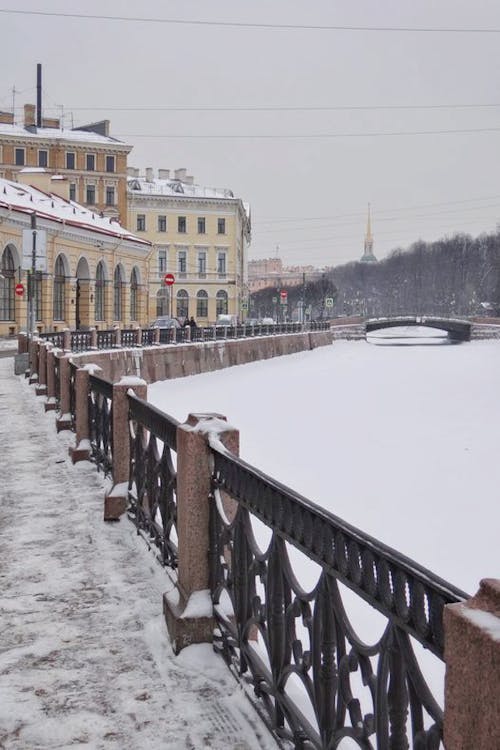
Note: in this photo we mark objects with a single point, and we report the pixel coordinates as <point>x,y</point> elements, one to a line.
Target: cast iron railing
<point>106,339</point>
<point>305,638</point>
<point>56,337</point>
<point>81,341</point>
<point>148,337</point>
<point>129,337</point>
<point>100,415</point>
<point>57,379</point>
<point>153,479</point>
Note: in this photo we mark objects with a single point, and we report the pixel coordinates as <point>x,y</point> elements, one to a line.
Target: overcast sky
<point>308,193</point>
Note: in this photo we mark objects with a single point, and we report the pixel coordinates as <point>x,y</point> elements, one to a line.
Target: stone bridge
<point>458,329</point>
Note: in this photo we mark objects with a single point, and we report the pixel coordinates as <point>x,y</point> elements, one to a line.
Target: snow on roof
<point>26,199</point>
<point>84,136</point>
<point>176,188</point>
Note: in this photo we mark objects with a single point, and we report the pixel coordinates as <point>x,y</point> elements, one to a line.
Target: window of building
<point>90,195</point>
<point>182,263</point>
<point>141,222</point>
<point>110,196</point>
<point>70,160</point>
<point>59,298</point>
<point>110,163</point>
<point>163,301</point>
<point>221,226</point>
<point>221,265</point>
<point>202,264</point>
<point>221,302</point>
<point>134,294</point>
<point>72,191</point>
<point>19,157</point>
<point>43,158</point>
<point>162,223</point>
<point>162,261</point>
<point>7,284</point>
<point>182,310</point>
<point>90,162</point>
<point>181,224</point>
<point>100,285</point>
<point>202,304</point>
<point>201,225</point>
<point>117,295</point>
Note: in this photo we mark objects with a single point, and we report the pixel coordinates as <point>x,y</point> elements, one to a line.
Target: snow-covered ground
<point>85,659</point>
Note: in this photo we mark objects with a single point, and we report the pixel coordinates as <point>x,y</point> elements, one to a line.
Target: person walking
<point>192,323</point>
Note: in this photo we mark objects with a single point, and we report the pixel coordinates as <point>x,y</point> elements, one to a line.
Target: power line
<point>308,136</point>
<point>279,107</point>
<point>256,25</point>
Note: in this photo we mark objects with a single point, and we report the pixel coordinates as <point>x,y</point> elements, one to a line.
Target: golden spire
<point>368,250</point>
<point>368,237</point>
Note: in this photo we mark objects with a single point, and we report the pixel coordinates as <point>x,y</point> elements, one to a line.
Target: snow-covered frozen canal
<point>401,441</point>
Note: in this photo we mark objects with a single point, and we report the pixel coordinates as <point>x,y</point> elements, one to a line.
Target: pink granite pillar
<point>188,609</point>
<point>33,350</point>
<point>50,403</point>
<point>66,340</point>
<point>63,421</point>
<point>138,335</point>
<point>22,343</point>
<point>117,336</point>
<point>472,683</point>
<point>81,450</point>
<point>41,387</point>
<point>156,336</point>
<point>115,503</point>
<point>93,337</point>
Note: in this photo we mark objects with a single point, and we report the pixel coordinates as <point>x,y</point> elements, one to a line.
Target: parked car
<point>227,320</point>
<point>252,322</point>
<point>267,322</point>
<point>165,322</point>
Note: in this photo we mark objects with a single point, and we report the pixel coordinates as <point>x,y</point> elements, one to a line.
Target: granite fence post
<point>82,449</point>
<point>472,682</point>
<point>63,421</point>
<point>188,608</point>
<point>41,386</point>
<point>115,502</point>
<point>50,403</point>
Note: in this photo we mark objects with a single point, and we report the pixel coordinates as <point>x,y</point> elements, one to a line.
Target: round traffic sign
<point>169,279</point>
<point>19,289</point>
<point>284,294</point>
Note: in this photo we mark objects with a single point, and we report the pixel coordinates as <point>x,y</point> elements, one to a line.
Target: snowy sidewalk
<point>85,659</point>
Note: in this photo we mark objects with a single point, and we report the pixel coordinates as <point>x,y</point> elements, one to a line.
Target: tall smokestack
<point>39,95</point>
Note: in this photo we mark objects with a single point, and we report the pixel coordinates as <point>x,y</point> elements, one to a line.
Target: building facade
<point>90,271</point>
<point>200,235</point>
<point>270,272</point>
<point>94,163</point>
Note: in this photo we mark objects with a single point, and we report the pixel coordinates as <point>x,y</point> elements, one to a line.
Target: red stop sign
<point>283,295</point>
<point>169,279</point>
<point>19,289</point>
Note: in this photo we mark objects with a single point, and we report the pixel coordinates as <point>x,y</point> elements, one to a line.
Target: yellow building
<point>89,269</point>
<point>94,164</point>
<point>201,236</point>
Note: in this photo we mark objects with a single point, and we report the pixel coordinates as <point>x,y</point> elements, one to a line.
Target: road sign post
<point>169,280</point>
<point>19,290</point>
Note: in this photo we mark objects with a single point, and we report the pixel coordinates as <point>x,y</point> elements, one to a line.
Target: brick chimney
<point>29,115</point>
<point>149,174</point>
<point>6,118</point>
<point>164,174</point>
<point>180,174</point>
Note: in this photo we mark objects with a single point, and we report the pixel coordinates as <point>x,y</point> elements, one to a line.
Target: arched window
<point>221,302</point>
<point>7,283</point>
<point>100,285</point>
<point>163,302</point>
<point>134,294</point>
<point>202,304</point>
<point>117,295</point>
<point>59,289</point>
<point>182,304</point>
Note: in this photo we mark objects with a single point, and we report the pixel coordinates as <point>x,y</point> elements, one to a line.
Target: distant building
<point>270,272</point>
<point>368,256</point>
<point>201,235</point>
<point>92,271</point>
<point>94,163</point>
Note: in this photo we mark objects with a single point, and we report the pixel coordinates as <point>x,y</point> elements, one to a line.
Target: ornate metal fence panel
<point>106,339</point>
<point>81,341</point>
<point>317,681</point>
<point>56,337</point>
<point>148,337</point>
<point>100,413</point>
<point>129,337</point>
<point>152,476</point>
<point>167,335</point>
